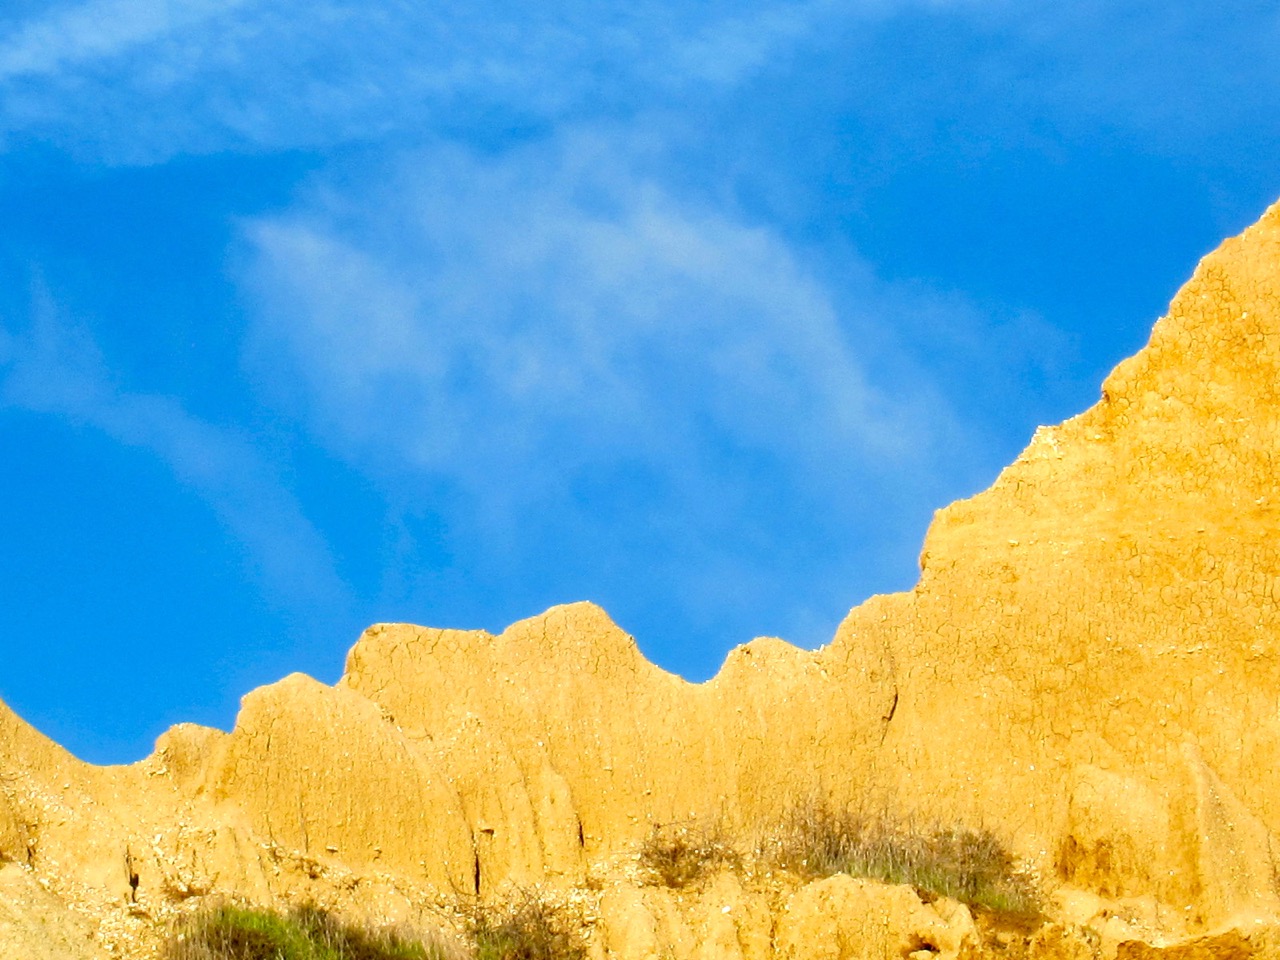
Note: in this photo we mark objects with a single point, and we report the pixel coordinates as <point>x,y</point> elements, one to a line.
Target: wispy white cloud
<point>138,81</point>
<point>141,80</point>
<point>55,368</point>
<point>583,354</point>
<point>87,33</point>
<point>552,309</point>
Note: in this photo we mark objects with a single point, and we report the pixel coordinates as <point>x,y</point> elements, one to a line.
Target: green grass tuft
<point>971,866</point>
<point>307,933</point>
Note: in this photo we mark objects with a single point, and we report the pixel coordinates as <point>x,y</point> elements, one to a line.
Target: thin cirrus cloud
<point>74,35</point>
<point>137,81</point>
<point>54,368</point>
<point>544,295</point>
<point>169,77</point>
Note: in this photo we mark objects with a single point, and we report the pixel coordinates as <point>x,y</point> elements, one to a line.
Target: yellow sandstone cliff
<point>1089,667</point>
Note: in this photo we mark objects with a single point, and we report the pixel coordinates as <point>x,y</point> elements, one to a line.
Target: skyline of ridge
<point>318,316</point>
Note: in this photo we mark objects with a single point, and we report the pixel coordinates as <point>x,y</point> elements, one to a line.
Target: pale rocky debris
<point>1088,667</point>
<point>843,918</point>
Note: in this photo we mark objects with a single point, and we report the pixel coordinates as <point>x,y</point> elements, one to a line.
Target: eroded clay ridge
<point>1088,666</point>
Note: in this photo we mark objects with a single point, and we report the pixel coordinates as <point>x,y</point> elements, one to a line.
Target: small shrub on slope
<point>528,928</point>
<point>677,855</point>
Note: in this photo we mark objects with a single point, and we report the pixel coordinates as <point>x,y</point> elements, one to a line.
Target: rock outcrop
<point>1089,667</point>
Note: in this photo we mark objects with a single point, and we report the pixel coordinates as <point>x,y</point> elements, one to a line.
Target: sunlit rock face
<point>1089,659</point>
<point>1088,668</point>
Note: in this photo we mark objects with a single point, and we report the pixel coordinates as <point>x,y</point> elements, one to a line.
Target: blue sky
<point>319,314</point>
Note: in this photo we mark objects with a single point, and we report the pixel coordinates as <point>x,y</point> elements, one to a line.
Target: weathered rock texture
<point>1088,667</point>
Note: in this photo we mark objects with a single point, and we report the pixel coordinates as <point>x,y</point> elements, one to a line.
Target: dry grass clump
<point>968,865</point>
<point>526,928</point>
<point>677,855</point>
<point>307,933</point>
